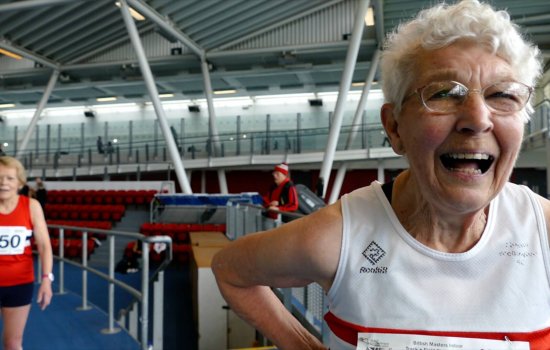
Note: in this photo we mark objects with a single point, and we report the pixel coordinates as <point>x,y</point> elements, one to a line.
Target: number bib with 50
<point>13,240</point>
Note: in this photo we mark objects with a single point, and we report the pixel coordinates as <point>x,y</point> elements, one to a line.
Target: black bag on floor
<point>308,202</point>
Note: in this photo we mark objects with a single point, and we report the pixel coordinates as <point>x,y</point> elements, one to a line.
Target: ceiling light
<point>358,83</point>
<point>166,95</point>
<point>136,15</point>
<point>106,99</point>
<point>7,105</point>
<point>10,54</point>
<point>224,92</point>
<point>369,17</point>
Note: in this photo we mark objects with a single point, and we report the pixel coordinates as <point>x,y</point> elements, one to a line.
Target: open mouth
<point>470,163</point>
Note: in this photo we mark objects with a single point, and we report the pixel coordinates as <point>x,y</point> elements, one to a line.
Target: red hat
<point>282,168</point>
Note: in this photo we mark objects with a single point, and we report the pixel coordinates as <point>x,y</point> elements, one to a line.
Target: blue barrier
<point>208,199</point>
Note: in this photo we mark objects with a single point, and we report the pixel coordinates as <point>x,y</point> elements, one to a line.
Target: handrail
<point>147,148</point>
<point>151,151</point>
<point>142,296</point>
<point>244,218</point>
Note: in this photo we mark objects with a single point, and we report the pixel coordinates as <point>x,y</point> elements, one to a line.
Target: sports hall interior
<point>160,121</point>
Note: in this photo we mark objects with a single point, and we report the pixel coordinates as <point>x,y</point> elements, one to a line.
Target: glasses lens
<point>507,96</point>
<point>443,96</point>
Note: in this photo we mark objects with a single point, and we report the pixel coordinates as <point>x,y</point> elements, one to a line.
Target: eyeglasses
<point>448,96</point>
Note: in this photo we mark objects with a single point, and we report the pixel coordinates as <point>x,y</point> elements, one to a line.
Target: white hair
<point>441,26</point>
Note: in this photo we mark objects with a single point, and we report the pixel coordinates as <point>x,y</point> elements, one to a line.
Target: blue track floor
<point>62,326</point>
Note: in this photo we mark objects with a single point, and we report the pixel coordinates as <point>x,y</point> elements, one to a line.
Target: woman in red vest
<point>21,219</point>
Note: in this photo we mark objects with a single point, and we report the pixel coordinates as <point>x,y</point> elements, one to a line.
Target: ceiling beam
<point>378,6</point>
<point>6,45</point>
<point>277,25</point>
<point>162,22</point>
<point>524,20</point>
<point>112,44</point>
<point>57,17</point>
<point>73,23</point>
<point>294,48</point>
<point>315,47</point>
<point>22,5</point>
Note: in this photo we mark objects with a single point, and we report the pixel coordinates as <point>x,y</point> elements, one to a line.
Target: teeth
<point>479,156</point>
<point>467,171</point>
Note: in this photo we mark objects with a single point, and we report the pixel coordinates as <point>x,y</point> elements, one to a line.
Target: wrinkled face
<point>278,177</point>
<point>459,160</point>
<point>9,183</point>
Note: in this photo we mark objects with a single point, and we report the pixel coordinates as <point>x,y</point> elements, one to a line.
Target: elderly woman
<point>450,248</point>
<point>21,219</point>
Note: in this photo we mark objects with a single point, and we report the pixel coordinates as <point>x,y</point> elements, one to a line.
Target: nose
<point>474,116</point>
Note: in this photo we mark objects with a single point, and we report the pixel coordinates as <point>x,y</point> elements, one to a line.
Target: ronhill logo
<point>374,253</point>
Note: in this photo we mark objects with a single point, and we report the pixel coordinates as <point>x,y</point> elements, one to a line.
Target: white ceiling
<point>254,46</point>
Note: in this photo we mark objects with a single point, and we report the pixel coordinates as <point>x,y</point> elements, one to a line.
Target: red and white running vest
<point>387,282</point>
<point>16,261</point>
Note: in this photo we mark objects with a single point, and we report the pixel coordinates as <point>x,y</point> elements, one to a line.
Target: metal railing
<point>536,130</point>
<point>77,148</point>
<point>307,303</point>
<point>153,150</point>
<point>130,318</point>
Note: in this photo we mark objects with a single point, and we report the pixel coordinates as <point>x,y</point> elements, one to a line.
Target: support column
<point>223,181</point>
<point>153,92</point>
<point>381,169</point>
<point>364,96</point>
<point>345,83</point>
<point>215,138</point>
<point>337,186</point>
<point>215,142</point>
<point>203,181</point>
<point>338,181</point>
<point>41,104</point>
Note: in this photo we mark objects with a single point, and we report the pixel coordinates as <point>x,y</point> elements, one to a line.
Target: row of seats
<point>72,248</point>
<point>113,212</point>
<point>102,225</point>
<point>125,197</point>
<point>178,232</point>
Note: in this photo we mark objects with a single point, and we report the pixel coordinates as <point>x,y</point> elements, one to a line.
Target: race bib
<point>379,341</point>
<point>13,240</point>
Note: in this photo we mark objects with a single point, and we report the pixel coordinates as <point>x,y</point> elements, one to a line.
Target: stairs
<point>130,222</point>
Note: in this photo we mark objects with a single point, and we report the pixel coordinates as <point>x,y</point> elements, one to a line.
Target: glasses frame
<point>481,92</point>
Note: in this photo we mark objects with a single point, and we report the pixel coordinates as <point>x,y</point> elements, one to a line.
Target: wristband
<point>48,276</point>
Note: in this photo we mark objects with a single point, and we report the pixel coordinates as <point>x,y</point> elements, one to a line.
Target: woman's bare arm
<point>293,255</point>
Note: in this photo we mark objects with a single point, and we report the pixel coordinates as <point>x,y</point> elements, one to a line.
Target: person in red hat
<point>282,194</point>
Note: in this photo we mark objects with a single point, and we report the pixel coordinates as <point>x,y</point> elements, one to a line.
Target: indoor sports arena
<point>152,136</point>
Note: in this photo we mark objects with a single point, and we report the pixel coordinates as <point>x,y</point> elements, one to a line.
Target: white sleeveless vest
<point>387,280</point>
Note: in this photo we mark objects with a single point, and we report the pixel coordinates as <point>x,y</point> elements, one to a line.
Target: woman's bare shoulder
<point>316,242</point>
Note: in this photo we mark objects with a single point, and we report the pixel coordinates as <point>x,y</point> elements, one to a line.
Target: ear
<point>391,126</point>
